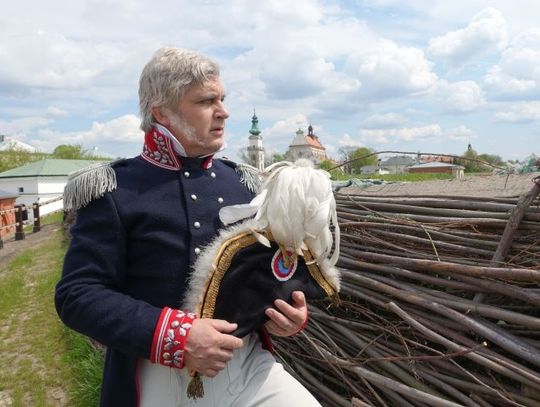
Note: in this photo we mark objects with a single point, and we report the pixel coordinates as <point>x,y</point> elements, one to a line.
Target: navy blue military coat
<point>131,253</point>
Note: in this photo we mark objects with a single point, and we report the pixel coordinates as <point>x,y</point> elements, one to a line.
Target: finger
<point>224,326</point>
<point>275,329</point>
<point>224,355</point>
<point>211,372</point>
<point>299,299</point>
<point>297,316</point>
<point>279,319</point>
<point>230,342</point>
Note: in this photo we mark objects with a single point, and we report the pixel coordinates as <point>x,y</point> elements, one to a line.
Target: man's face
<point>198,121</point>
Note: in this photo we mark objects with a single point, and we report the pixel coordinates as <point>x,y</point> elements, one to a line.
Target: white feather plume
<point>297,206</point>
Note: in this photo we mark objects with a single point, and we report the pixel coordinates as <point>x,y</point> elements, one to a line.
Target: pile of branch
<point>440,305</point>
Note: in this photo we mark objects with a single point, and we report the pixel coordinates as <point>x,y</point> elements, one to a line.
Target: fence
<point>21,219</point>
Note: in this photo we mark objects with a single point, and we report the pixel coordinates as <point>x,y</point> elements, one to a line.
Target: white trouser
<point>251,379</point>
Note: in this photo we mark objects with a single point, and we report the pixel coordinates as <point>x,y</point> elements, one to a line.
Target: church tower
<point>255,148</point>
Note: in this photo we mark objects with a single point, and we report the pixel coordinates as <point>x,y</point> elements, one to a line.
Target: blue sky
<point>427,76</point>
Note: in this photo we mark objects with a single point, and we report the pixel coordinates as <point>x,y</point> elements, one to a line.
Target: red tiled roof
<point>313,141</point>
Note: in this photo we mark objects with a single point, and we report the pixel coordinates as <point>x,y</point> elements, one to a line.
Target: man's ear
<point>161,115</point>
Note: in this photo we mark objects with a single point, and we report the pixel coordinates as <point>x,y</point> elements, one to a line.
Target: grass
<point>51,218</point>
<point>55,217</point>
<point>412,177</point>
<point>42,361</point>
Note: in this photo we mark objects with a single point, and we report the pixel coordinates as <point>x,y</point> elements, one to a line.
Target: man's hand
<point>290,319</point>
<point>208,347</point>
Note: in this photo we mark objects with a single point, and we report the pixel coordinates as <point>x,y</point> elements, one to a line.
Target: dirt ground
<point>493,186</point>
<point>13,247</point>
<point>56,396</point>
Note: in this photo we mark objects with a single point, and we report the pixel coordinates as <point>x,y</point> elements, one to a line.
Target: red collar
<point>158,150</point>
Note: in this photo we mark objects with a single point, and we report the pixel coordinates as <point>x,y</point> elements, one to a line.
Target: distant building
<point>7,201</point>
<point>306,146</point>
<point>398,164</point>
<point>9,143</point>
<point>435,167</point>
<point>435,158</point>
<point>255,148</point>
<point>373,169</point>
<point>41,181</point>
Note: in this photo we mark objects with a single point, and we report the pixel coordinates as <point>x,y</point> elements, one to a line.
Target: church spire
<point>254,125</point>
<point>255,148</point>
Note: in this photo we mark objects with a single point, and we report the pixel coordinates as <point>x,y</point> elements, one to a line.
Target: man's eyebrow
<point>212,94</point>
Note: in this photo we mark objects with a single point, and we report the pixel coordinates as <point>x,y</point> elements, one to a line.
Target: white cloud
<point>517,75</point>
<point>387,70</point>
<point>56,112</point>
<point>47,60</point>
<point>486,33</point>
<point>460,133</point>
<point>298,73</point>
<point>383,120</point>
<point>462,96</point>
<point>384,136</point>
<point>124,129</point>
<point>283,131</point>
<point>22,126</point>
<point>347,141</point>
<point>520,112</point>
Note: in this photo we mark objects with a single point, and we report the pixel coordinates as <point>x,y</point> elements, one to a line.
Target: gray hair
<point>167,76</point>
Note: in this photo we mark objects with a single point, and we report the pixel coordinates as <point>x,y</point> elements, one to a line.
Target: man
<point>141,224</point>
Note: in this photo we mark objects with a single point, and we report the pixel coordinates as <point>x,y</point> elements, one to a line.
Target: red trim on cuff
<point>170,337</point>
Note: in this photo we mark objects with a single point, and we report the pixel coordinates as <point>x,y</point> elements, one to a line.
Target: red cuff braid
<point>170,337</point>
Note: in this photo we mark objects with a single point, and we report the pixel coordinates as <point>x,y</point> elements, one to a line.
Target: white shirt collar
<point>178,147</point>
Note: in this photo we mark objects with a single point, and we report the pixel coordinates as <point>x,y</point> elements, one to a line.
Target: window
<point>21,189</point>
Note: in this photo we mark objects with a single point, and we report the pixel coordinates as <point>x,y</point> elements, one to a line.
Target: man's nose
<point>222,112</point>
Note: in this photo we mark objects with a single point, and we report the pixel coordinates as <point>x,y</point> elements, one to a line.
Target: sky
<point>421,75</point>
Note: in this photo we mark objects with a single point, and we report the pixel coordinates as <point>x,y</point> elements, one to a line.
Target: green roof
<point>49,167</point>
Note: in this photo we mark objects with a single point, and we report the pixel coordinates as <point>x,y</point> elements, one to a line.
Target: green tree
<point>492,159</point>
<point>276,157</point>
<point>469,160</point>
<point>326,165</point>
<point>472,161</point>
<point>335,174</point>
<point>360,157</point>
<point>70,152</point>
<point>14,157</point>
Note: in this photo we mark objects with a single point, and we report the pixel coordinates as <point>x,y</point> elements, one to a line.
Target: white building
<point>9,143</point>
<point>373,169</point>
<point>41,181</point>
<point>397,164</point>
<point>306,146</point>
<point>255,148</point>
